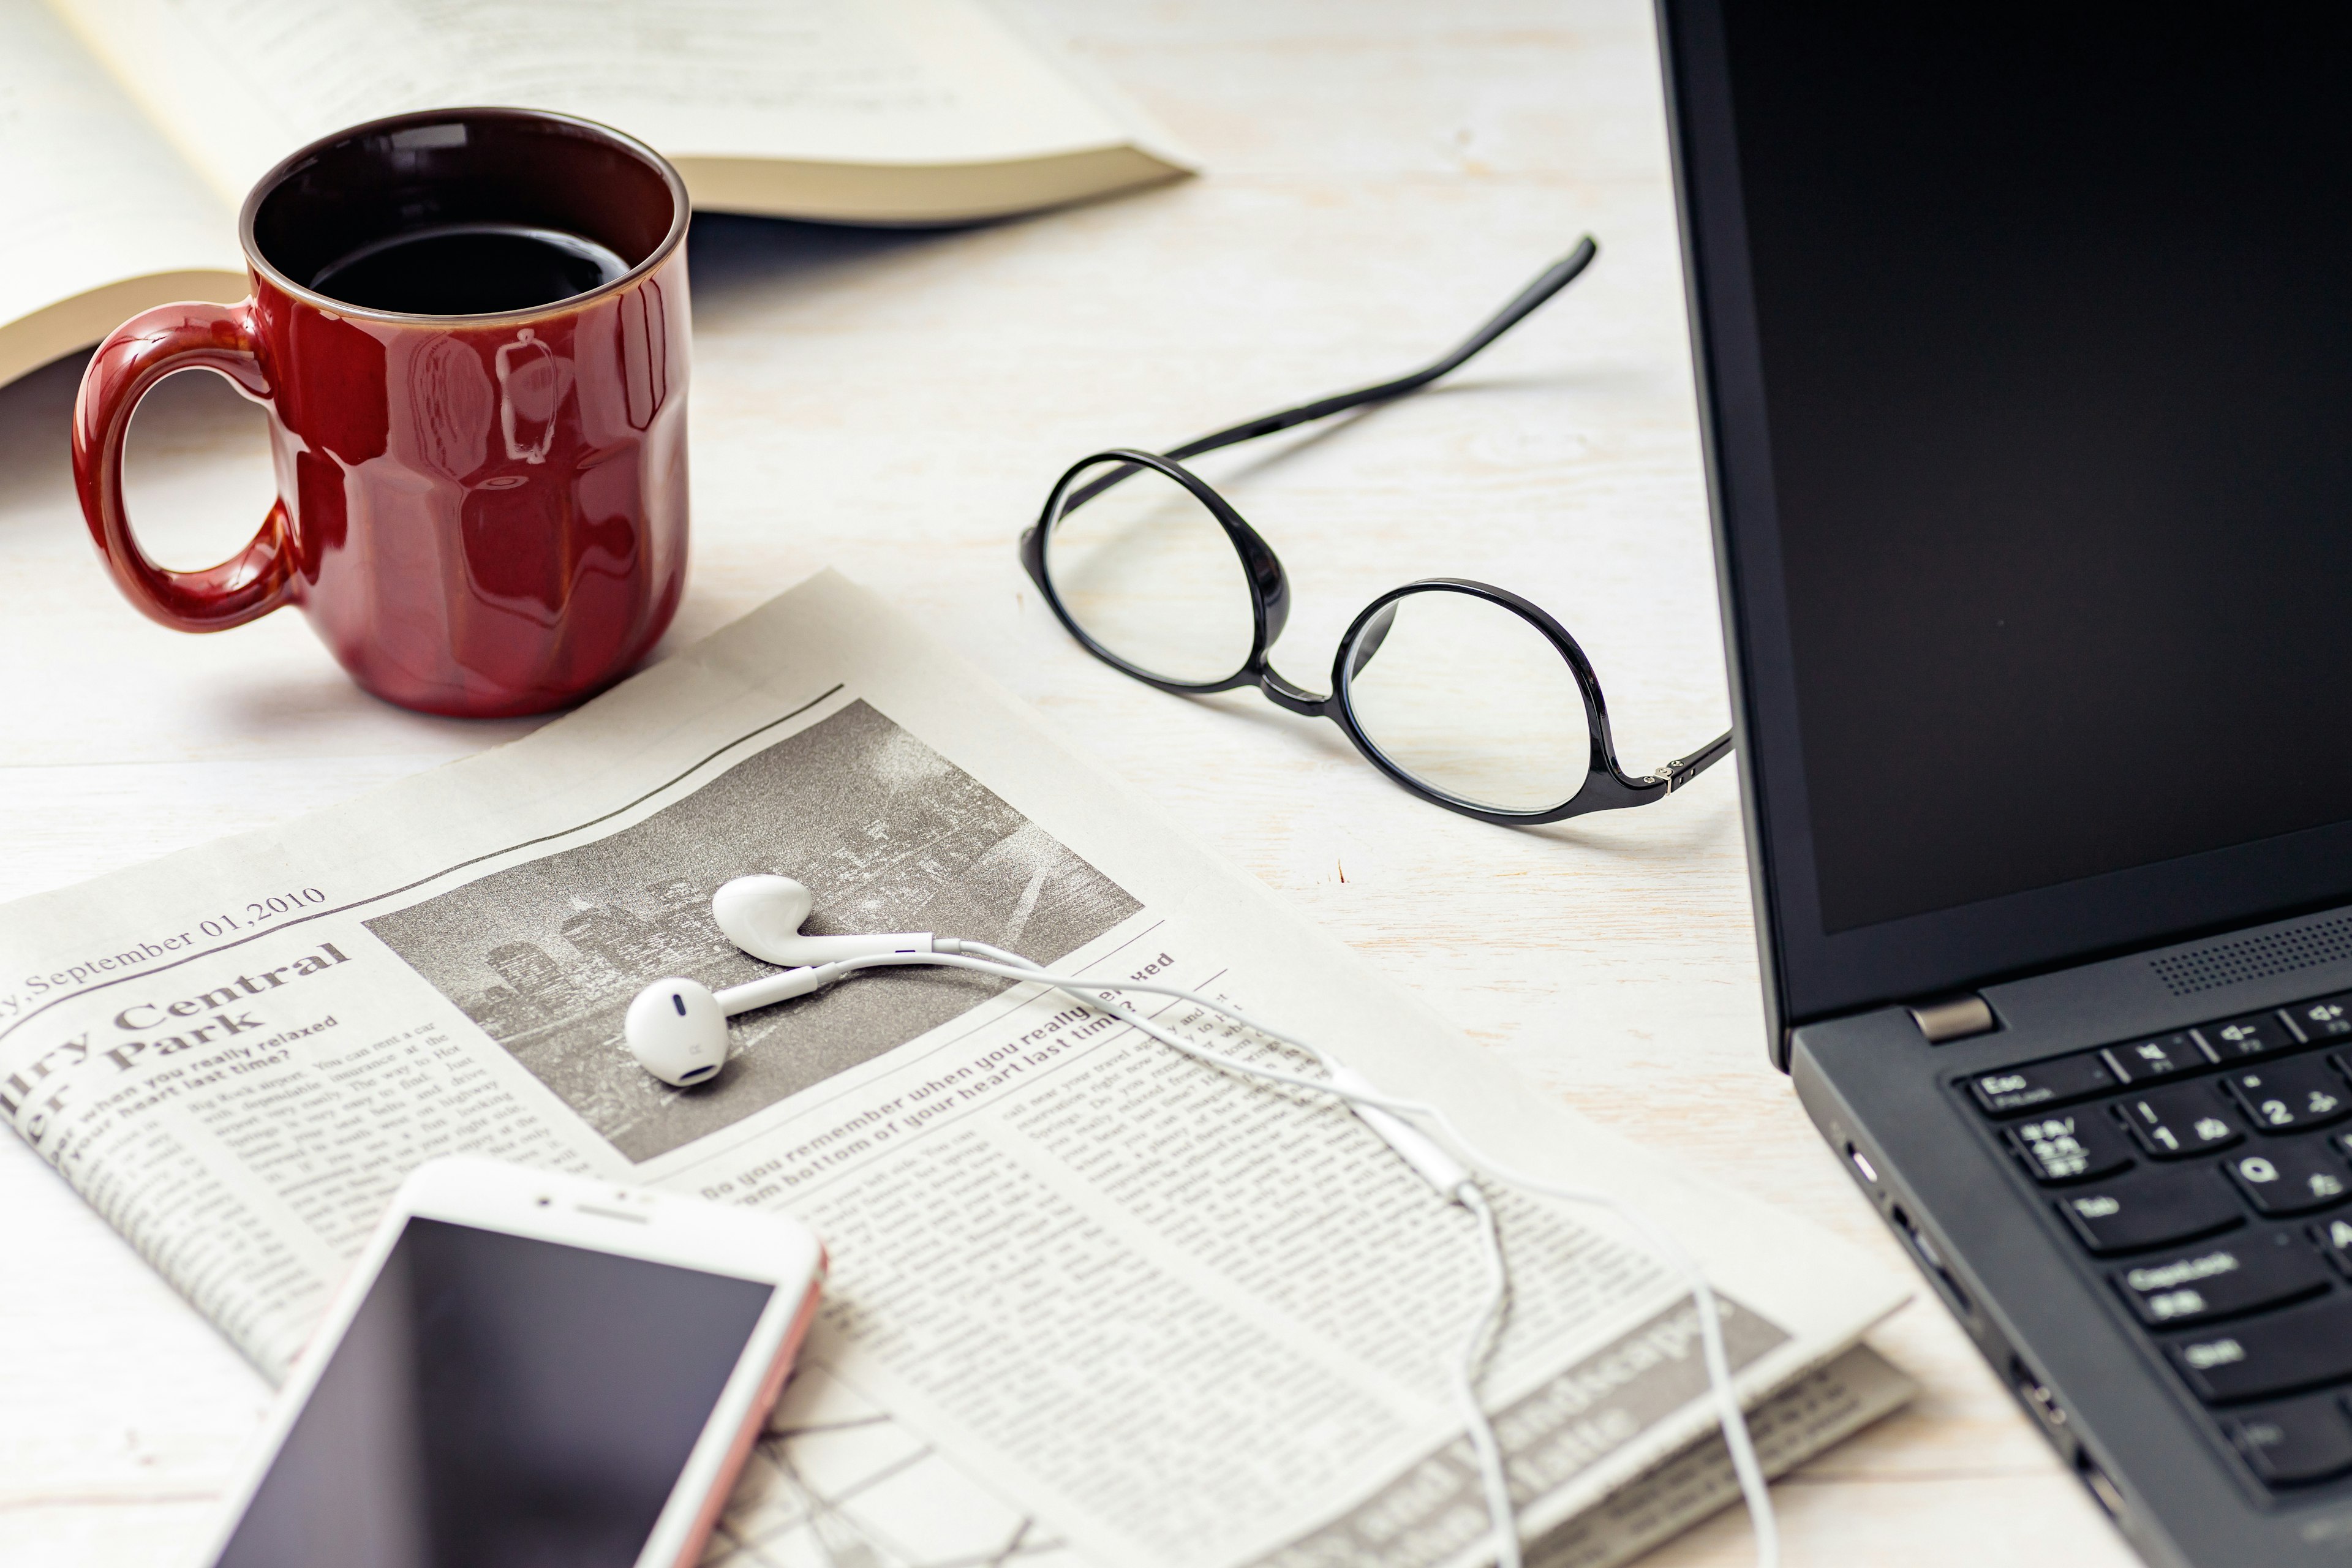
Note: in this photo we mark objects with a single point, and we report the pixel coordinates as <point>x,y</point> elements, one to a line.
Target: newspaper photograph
<point>1091,1301</point>
<point>544,957</point>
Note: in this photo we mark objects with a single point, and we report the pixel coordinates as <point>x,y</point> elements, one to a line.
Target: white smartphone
<point>524,1369</point>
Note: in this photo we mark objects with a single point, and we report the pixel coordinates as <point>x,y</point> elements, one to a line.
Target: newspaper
<point>1091,1301</point>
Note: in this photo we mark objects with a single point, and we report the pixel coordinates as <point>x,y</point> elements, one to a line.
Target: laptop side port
<point>2101,1485</point>
<point>1932,1260</point>
<point>1863,1167</point>
<point>2036,1396</point>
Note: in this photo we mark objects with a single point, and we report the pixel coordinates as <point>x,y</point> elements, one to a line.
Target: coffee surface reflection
<point>468,269</point>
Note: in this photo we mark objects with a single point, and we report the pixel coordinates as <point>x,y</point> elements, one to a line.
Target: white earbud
<point>677,1029</point>
<point>763,915</point>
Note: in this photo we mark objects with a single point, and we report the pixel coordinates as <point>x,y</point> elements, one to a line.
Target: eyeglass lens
<point>1150,573</point>
<point>1470,698</point>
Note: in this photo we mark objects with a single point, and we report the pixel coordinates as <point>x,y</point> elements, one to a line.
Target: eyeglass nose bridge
<point>1283,693</point>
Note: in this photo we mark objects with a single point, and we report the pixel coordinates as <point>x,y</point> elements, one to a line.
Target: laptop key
<point>2254,1035</point>
<point>2291,1178</point>
<point>2325,1019</point>
<point>2298,1348</point>
<point>2150,1209</point>
<point>2053,1082</point>
<point>2222,1279</point>
<point>2289,1096</point>
<point>2334,1238</point>
<point>2071,1147</point>
<point>2301,1440</point>
<point>2174,1123</point>
<point>2162,1057</point>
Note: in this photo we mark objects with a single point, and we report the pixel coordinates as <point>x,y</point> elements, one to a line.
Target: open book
<point>1093,1305</point>
<point>131,129</point>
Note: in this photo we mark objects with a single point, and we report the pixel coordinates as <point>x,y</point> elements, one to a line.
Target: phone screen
<point>500,1400</point>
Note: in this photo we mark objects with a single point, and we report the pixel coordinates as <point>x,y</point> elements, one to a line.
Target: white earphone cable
<point>980,958</point>
<point>1494,1473</point>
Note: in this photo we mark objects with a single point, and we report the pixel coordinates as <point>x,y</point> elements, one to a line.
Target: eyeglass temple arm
<point>1681,770</point>
<point>1559,275</point>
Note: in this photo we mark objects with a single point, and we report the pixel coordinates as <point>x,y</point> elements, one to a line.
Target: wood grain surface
<point>1381,174</point>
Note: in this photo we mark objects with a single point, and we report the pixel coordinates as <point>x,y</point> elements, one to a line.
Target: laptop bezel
<point>1810,973</point>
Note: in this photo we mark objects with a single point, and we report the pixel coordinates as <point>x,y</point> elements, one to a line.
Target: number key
<point>2173,1123</point>
<point>2291,1095</point>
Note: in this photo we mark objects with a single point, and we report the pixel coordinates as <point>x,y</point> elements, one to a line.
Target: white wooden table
<point>1381,175</point>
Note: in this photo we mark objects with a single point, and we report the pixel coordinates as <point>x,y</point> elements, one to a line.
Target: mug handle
<point>133,358</point>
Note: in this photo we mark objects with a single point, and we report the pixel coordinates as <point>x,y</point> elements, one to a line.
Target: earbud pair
<point>677,1029</point>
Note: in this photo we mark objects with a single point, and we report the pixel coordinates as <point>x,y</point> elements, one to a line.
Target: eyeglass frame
<point>1606,787</point>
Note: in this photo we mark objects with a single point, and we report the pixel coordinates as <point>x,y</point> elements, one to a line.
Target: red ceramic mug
<point>469,326</point>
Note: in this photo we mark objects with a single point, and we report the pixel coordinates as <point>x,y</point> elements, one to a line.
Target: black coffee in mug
<point>468,269</point>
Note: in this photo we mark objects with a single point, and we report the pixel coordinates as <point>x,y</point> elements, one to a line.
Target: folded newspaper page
<point>1091,1301</point>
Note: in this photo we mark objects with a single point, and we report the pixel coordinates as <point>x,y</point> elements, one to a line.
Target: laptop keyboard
<point>2207,1174</point>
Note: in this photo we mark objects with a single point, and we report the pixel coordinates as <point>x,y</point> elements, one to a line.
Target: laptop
<point>2024,353</point>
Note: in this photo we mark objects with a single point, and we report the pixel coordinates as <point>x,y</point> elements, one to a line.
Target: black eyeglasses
<point>1479,701</point>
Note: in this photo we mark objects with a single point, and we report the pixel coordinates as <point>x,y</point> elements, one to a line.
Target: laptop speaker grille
<point>2254,957</point>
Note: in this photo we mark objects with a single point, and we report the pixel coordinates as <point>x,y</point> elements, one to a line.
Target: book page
<point>94,198</point>
<point>241,83</point>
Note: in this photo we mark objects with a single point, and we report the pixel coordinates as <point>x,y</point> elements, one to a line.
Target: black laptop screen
<point>2054,311</point>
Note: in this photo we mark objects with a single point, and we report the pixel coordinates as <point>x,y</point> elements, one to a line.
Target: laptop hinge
<point>1953,1018</point>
